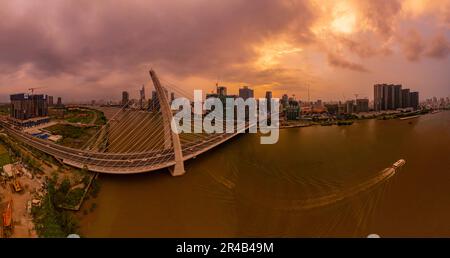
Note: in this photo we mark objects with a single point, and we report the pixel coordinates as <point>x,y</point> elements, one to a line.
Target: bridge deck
<point>117,163</point>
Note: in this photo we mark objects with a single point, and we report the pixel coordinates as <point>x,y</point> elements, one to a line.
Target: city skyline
<point>337,48</point>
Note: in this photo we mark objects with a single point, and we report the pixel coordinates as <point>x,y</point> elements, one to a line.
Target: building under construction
<point>29,109</point>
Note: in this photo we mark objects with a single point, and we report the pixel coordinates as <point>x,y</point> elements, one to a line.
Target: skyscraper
<point>379,97</point>
<point>285,100</point>
<point>414,99</point>
<point>406,98</point>
<point>59,102</point>
<point>50,100</point>
<point>28,110</point>
<point>125,98</point>
<point>142,93</point>
<point>154,102</point>
<point>292,111</point>
<point>142,97</point>
<point>269,99</point>
<point>387,97</point>
<point>397,96</point>
<point>245,92</point>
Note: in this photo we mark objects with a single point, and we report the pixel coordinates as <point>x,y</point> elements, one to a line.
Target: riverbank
<point>46,192</point>
<point>347,122</point>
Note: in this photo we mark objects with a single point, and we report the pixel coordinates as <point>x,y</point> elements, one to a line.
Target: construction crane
<point>35,88</point>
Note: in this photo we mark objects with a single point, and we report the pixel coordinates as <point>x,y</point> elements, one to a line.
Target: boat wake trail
<point>333,196</point>
<point>338,196</point>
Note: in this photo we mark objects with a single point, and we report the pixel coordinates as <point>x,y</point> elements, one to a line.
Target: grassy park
<point>73,136</point>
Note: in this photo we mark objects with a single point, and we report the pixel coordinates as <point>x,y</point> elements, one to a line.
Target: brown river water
<point>244,189</point>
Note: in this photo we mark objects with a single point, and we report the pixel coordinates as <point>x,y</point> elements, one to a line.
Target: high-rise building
<point>59,102</point>
<point>285,100</point>
<point>406,98</point>
<point>269,100</point>
<point>378,97</point>
<point>362,105</point>
<point>245,93</point>
<point>142,97</point>
<point>50,101</point>
<point>292,111</point>
<point>387,97</point>
<point>28,110</point>
<point>125,98</point>
<point>414,99</point>
<point>154,103</point>
<point>397,96</point>
<point>142,93</point>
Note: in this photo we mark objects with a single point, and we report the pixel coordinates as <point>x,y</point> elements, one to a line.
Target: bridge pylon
<point>172,139</point>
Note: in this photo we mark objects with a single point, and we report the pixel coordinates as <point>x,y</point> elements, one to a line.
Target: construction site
<point>38,195</point>
<point>20,190</point>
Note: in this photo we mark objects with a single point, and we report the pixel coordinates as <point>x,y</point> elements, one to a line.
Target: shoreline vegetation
<point>350,119</point>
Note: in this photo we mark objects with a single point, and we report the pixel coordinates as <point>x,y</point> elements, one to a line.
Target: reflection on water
<point>246,189</point>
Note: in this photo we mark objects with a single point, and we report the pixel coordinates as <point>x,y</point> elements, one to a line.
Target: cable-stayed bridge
<point>133,141</point>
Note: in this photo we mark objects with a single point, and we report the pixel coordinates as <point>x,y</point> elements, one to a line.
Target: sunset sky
<point>84,50</point>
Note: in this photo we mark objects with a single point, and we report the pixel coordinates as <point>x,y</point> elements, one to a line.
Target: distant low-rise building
<point>349,107</point>
<point>245,93</point>
<point>362,105</point>
<point>332,109</point>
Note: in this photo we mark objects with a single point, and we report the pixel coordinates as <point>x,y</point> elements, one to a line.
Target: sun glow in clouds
<point>271,53</point>
<point>344,18</point>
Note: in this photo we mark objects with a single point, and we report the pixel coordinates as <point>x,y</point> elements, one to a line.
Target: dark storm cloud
<point>183,37</point>
<point>381,14</point>
<point>439,47</point>
<point>413,45</point>
<point>339,61</point>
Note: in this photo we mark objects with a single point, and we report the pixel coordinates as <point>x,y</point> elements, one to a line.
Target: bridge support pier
<point>172,137</point>
<point>178,169</point>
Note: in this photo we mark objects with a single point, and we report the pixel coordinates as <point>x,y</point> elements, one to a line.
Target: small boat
<point>399,163</point>
<point>348,122</point>
<point>327,123</point>
<point>409,117</point>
